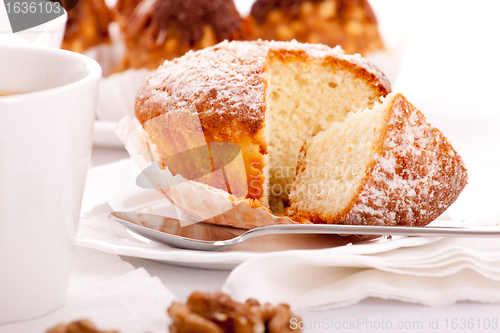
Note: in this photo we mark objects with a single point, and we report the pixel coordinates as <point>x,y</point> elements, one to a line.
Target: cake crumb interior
<point>336,161</point>
<point>302,100</point>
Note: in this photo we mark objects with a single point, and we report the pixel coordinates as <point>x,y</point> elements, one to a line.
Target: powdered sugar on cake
<point>416,174</point>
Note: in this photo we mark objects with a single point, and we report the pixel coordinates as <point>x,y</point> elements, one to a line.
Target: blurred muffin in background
<point>159,30</point>
<point>348,23</point>
<point>123,10</point>
<point>87,25</point>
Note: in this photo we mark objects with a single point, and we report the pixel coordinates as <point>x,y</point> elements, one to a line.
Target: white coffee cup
<point>45,145</point>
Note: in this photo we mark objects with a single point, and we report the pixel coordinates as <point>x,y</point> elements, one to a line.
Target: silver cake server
<point>210,237</point>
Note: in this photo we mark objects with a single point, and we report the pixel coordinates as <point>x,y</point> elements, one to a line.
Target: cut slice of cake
<point>381,166</point>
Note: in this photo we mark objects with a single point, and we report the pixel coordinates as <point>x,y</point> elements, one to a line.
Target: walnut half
<point>80,326</point>
<point>218,313</point>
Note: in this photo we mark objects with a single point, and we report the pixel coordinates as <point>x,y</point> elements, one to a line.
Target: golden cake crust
<point>224,87</point>
<point>415,176</point>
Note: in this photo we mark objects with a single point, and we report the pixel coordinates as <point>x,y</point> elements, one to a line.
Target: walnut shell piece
<point>217,312</point>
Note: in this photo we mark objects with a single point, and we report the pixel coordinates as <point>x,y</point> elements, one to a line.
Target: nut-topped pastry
<point>349,23</point>
<point>159,30</point>
<point>125,8</point>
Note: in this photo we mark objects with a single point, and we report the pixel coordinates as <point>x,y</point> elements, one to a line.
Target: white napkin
<point>436,274</point>
<point>114,295</point>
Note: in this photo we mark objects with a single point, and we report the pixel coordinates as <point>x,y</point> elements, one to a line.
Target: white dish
<point>112,187</point>
<point>104,134</point>
<point>115,239</point>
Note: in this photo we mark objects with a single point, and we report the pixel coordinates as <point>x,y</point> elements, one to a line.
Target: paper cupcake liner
<point>117,94</point>
<point>117,91</point>
<point>194,201</point>
<point>108,55</point>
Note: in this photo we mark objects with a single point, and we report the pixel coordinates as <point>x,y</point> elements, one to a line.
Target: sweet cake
<point>159,30</point>
<point>348,23</point>
<point>266,97</point>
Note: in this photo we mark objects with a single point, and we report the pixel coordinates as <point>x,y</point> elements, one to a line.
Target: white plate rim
<point>229,260</point>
